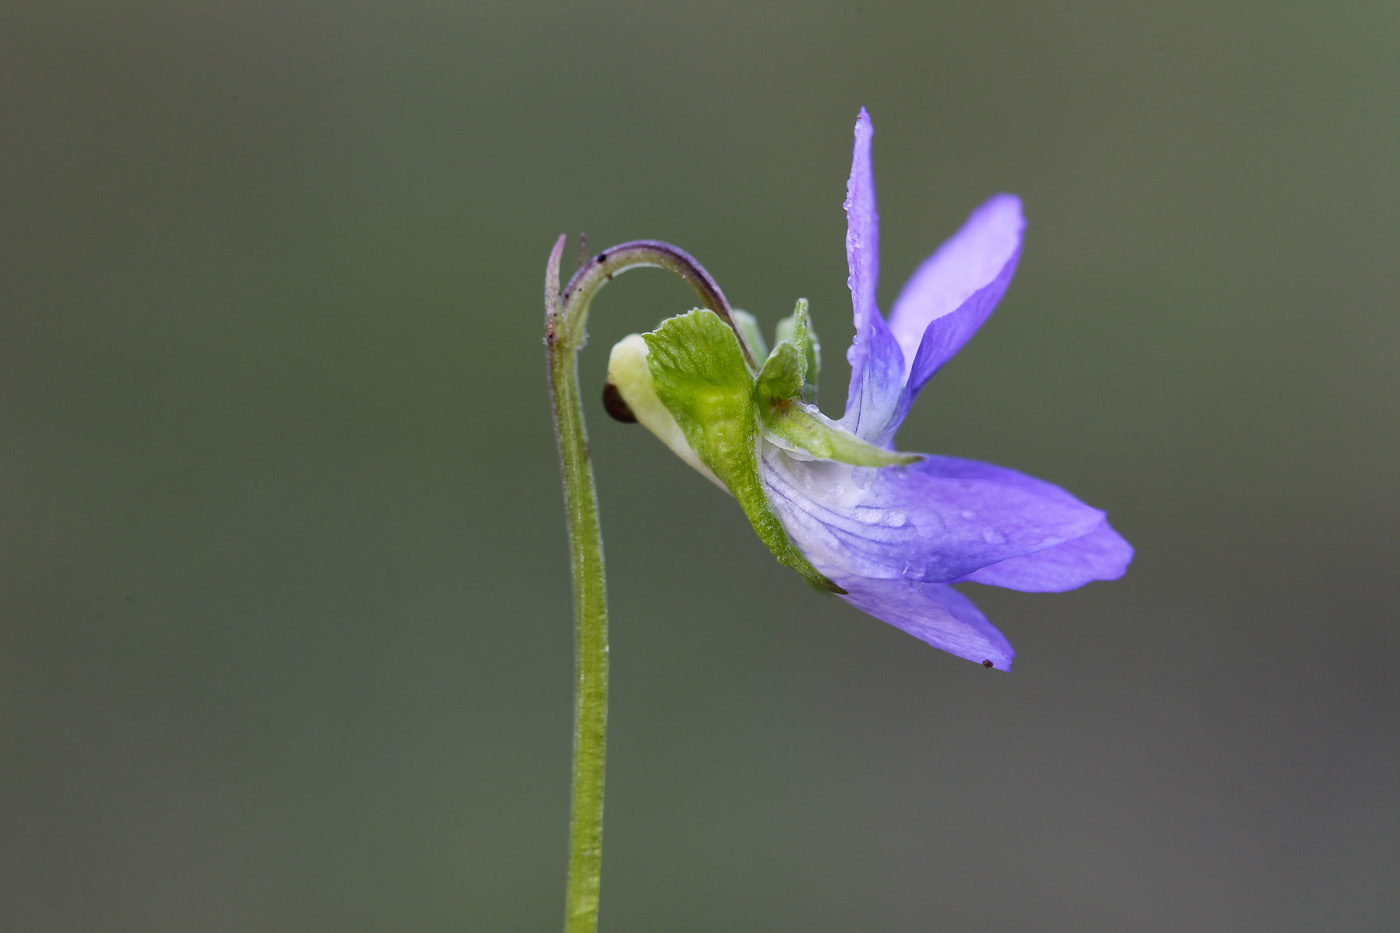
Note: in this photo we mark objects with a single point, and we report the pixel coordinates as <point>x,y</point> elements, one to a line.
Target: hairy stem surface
<point>566,316</point>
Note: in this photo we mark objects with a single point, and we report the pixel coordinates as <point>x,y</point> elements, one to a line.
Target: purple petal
<point>862,224</point>
<point>1102,554</point>
<point>876,402</point>
<point>935,521</point>
<point>877,367</point>
<point>939,615</point>
<point>956,288</point>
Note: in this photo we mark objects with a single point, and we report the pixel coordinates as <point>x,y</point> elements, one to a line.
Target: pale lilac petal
<point>1102,554</point>
<point>877,365</point>
<point>956,289</point>
<point>935,521</point>
<point>862,225</point>
<point>876,401</point>
<point>939,615</point>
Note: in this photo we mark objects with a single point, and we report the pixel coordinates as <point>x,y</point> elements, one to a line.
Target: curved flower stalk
<point>886,531</point>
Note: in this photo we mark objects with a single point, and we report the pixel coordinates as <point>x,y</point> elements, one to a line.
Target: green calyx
<point>803,360</point>
<point>748,328</point>
<point>786,393</point>
<point>699,374</point>
<point>689,383</point>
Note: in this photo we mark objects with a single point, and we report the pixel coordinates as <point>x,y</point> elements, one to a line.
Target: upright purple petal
<point>939,615</point>
<point>1102,554</point>
<point>876,402</point>
<point>877,365</point>
<point>935,521</point>
<point>956,288</point>
<point>862,224</point>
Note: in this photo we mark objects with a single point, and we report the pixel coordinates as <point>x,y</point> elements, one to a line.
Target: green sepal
<point>749,329</point>
<point>782,396</point>
<point>630,374</point>
<point>797,330</point>
<point>793,423</point>
<point>699,373</point>
<point>783,374</point>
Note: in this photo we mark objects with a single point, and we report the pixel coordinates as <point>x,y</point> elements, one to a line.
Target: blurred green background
<point>284,612</point>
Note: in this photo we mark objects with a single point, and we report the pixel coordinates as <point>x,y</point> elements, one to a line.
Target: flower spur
<point>887,531</point>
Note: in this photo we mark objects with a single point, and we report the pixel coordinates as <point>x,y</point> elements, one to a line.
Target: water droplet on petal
<point>992,536</point>
<point>895,518</point>
<point>968,513</point>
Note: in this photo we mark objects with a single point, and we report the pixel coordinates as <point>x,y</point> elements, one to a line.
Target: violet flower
<point>886,531</point>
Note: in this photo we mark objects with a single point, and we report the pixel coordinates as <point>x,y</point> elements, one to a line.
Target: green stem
<point>565,318</point>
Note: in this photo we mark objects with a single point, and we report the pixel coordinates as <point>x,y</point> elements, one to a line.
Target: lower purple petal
<point>935,521</point>
<point>1102,554</point>
<point>938,615</point>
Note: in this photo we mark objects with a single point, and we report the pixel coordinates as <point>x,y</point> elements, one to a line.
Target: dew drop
<point>895,518</point>
<point>992,536</point>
